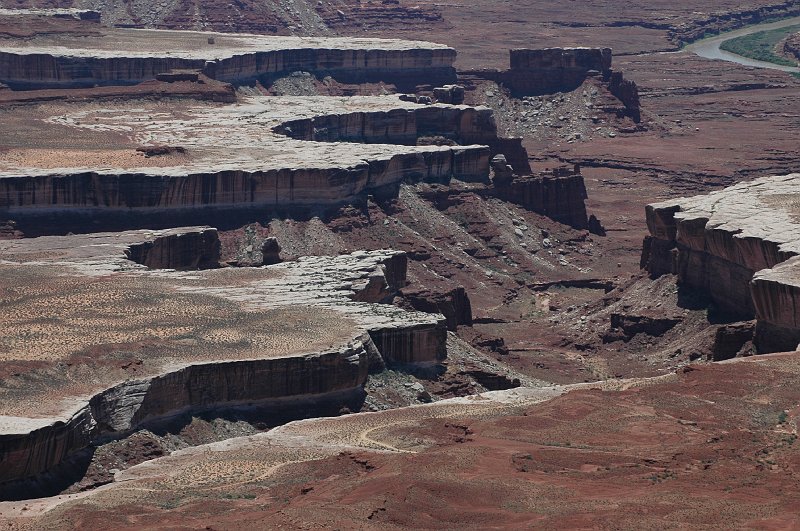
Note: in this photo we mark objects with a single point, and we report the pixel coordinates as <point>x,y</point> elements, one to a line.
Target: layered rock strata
<point>128,56</point>
<point>94,345</point>
<point>178,249</point>
<point>736,245</point>
<point>718,22</point>
<point>234,156</point>
<point>460,124</point>
<point>549,70</point>
<point>559,194</point>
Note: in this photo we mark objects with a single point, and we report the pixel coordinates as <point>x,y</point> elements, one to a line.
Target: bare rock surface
<point>738,244</point>
<point>95,344</point>
<point>230,155</point>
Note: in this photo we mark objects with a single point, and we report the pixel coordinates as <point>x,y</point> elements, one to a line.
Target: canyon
<point>302,275</point>
<point>68,388</point>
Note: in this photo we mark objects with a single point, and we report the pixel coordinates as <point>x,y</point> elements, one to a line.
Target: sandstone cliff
<point>559,195</point>
<point>549,70</point>
<point>194,388</point>
<point>736,245</point>
<point>271,161</point>
<point>719,22</point>
<point>276,337</point>
<point>178,250</point>
<point>50,61</point>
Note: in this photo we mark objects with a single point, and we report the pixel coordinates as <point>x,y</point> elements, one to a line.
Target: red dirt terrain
<point>711,447</point>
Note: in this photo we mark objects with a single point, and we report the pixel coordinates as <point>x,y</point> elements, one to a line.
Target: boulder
<point>450,94</point>
<point>503,172</point>
<point>270,251</point>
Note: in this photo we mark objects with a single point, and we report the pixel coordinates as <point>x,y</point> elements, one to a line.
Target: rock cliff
<point>279,154</point>
<point>558,194</point>
<point>273,336</point>
<point>178,250</point>
<point>535,72</point>
<point>551,70</point>
<point>737,245</point>
<point>462,124</point>
<point>45,60</point>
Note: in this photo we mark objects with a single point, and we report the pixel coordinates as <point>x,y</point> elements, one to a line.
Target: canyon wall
<point>25,70</point>
<point>550,70</point>
<point>460,124</point>
<point>559,195</point>
<point>127,387</point>
<point>737,245</point>
<point>193,388</point>
<point>535,72</point>
<point>173,189</point>
<point>316,171</point>
<point>178,250</point>
<point>776,297</point>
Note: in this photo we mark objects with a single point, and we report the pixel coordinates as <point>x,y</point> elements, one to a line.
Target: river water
<point>709,48</point>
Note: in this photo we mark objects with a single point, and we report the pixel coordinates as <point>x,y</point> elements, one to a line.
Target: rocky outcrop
<point>551,70</point>
<point>377,16</point>
<point>627,92</point>
<point>240,59</point>
<point>454,304</point>
<point>450,94</point>
<point>270,251</point>
<point>736,245</point>
<point>178,250</point>
<point>776,294</point>
<point>289,187</point>
<point>558,194</point>
<point>625,326</point>
<point>317,167</point>
<point>791,47</point>
<point>502,171</point>
<point>535,72</point>
<point>195,388</point>
<point>730,340</point>
<point>462,124</point>
<point>274,336</point>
